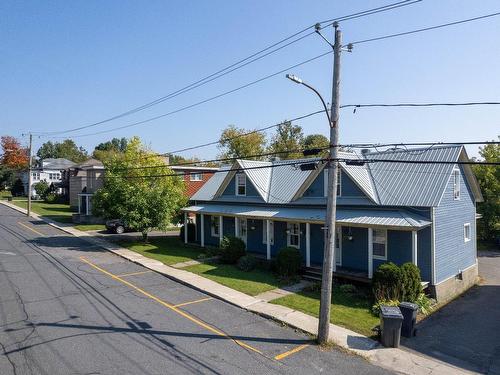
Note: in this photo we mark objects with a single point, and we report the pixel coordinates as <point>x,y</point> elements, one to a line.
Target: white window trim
<point>378,257</point>
<point>456,184</point>
<point>215,219</point>
<point>264,232</point>
<point>339,182</point>
<point>289,235</point>
<point>467,225</point>
<point>196,177</point>
<point>236,184</point>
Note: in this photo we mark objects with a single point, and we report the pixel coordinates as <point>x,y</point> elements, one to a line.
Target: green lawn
<point>169,250</point>
<point>252,283</point>
<point>349,311</point>
<point>86,227</point>
<point>55,211</point>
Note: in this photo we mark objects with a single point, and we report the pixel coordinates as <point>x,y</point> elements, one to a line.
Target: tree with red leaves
<point>14,156</point>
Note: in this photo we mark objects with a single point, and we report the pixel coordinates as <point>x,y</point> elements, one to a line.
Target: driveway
<point>466,332</point>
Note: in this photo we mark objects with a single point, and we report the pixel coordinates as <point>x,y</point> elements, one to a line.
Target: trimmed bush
<point>17,189</point>
<point>376,306</point>
<point>388,283</point>
<point>288,262</point>
<point>232,249</point>
<point>247,263</point>
<point>411,282</point>
<point>51,198</point>
<point>348,289</point>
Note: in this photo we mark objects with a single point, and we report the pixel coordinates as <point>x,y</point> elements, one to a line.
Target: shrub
<point>232,249</point>
<point>18,188</point>
<point>288,262</point>
<point>376,306</point>
<point>51,198</point>
<point>424,303</point>
<point>411,282</point>
<point>387,282</point>
<point>247,263</point>
<point>348,289</point>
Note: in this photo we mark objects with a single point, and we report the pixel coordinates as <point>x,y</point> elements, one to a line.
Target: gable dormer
<point>240,186</point>
<point>346,187</point>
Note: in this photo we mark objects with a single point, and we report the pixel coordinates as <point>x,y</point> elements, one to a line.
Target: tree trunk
<point>145,236</point>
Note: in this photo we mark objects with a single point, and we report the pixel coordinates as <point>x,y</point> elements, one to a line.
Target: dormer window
<point>339,182</point>
<point>241,184</point>
<point>456,184</point>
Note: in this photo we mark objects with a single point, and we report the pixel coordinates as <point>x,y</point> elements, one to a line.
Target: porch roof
<point>396,218</point>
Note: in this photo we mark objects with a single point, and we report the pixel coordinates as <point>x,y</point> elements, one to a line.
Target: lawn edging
<point>398,360</point>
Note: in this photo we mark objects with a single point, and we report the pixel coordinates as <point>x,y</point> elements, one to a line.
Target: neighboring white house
<point>50,170</point>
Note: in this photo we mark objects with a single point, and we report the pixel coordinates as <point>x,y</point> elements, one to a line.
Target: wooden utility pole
<point>28,211</point>
<point>329,252</point>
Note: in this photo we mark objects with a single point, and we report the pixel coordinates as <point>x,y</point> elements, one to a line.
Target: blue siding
<point>228,226</point>
<point>317,244</point>
<point>355,252</point>
<point>209,239</point>
<point>254,237</point>
<point>452,253</point>
<point>231,189</point>
<point>348,187</point>
<point>280,237</point>
<point>424,256</point>
<point>399,246</point>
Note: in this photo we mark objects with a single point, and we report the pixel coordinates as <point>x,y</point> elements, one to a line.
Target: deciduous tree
<point>67,149</point>
<point>13,155</point>
<point>234,143</point>
<point>288,137</point>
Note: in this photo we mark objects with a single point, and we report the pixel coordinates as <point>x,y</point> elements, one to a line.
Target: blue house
<point>387,211</point>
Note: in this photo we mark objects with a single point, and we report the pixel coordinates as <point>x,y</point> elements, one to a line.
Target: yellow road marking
<point>191,302</point>
<point>170,306</point>
<point>31,229</point>
<point>134,273</point>
<point>290,352</point>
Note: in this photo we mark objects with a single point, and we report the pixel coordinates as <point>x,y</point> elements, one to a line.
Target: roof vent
<point>365,151</point>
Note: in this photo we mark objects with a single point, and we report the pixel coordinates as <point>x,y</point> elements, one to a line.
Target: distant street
<point>68,307</point>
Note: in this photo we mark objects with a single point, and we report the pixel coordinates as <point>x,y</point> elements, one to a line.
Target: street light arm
<point>322,101</point>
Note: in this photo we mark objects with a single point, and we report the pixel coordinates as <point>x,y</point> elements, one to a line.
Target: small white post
<point>202,230</point>
<point>268,237</point>
<point>308,245</point>
<point>79,204</point>
<point>185,227</point>
<point>221,229</point>
<point>370,253</point>
<point>87,205</point>
<point>236,228</point>
<point>414,247</point>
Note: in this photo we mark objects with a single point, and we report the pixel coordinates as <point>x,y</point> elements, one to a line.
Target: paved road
<point>466,333</point>
<point>68,307</point>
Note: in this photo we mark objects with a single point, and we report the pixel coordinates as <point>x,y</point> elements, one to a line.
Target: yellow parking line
<point>31,229</point>
<point>134,273</point>
<point>290,352</point>
<point>170,306</point>
<point>191,302</point>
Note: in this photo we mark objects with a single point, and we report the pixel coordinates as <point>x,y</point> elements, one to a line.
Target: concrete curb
<point>398,360</point>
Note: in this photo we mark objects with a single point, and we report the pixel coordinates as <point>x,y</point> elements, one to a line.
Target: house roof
<point>90,164</point>
<point>56,163</point>
<point>400,218</point>
<point>382,180</point>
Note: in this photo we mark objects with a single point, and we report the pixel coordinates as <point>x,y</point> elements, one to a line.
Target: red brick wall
<point>193,186</point>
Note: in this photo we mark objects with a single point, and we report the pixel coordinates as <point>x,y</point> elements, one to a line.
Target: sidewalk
<point>397,360</point>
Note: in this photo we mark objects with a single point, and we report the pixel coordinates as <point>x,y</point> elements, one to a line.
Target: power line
<point>244,62</point>
<point>425,29</point>
<point>355,106</point>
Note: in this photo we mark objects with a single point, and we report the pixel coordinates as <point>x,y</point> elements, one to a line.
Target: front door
<point>338,245</point>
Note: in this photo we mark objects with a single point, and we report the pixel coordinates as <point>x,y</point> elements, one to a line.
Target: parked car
<point>117,226</point>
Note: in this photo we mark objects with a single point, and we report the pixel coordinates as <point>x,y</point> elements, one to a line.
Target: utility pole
<point>28,211</point>
<point>331,208</point>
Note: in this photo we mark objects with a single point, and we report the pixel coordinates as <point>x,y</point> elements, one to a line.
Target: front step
<point>311,274</point>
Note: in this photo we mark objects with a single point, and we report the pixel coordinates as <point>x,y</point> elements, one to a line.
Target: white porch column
<point>202,230</point>
<point>414,247</point>
<point>370,253</point>
<point>185,227</point>
<point>79,204</point>
<point>268,237</point>
<point>87,205</point>
<point>308,245</point>
<point>236,228</point>
<point>221,229</point>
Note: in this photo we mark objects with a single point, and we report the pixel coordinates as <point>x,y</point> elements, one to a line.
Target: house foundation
<point>456,285</point>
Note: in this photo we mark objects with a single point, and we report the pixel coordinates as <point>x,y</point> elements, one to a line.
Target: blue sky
<point>65,64</point>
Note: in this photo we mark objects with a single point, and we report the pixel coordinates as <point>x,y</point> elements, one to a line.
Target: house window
<point>196,176</point>
<point>456,184</point>
<point>241,184</point>
<point>379,243</point>
<point>271,232</point>
<point>293,238</point>
<point>467,235</point>
<point>339,182</point>
<point>215,226</point>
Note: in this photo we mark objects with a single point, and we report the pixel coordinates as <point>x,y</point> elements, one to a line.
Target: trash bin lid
<point>409,305</point>
<point>391,312</point>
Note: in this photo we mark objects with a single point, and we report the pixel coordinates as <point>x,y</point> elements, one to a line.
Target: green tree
<point>233,143</point>
<point>137,190</point>
<point>66,149</point>
<point>288,137</point>
<point>106,150</point>
<point>489,181</point>
<point>317,141</point>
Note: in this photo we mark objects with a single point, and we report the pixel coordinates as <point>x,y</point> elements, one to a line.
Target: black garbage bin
<point>409,311</point>
<point>390,326</point>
